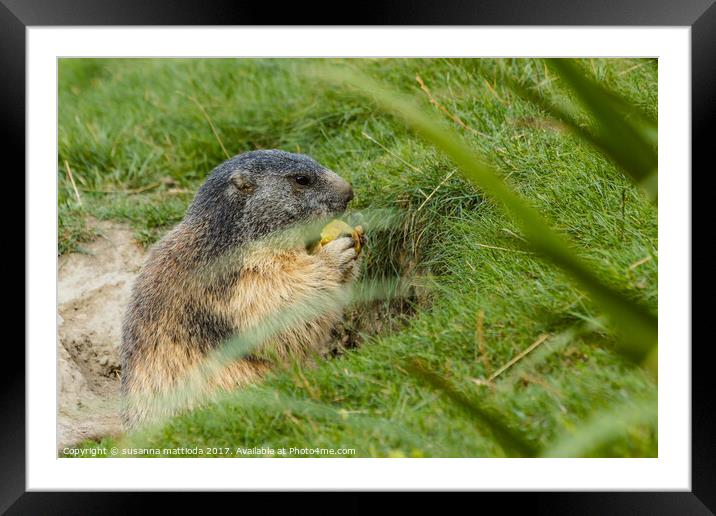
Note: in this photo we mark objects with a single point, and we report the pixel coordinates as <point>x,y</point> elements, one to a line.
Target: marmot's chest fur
<point>216,276</point>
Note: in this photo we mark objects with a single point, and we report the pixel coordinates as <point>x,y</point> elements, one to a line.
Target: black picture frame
<point>700,15</point>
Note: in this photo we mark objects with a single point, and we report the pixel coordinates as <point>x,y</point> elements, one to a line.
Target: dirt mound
<point>93,291</point>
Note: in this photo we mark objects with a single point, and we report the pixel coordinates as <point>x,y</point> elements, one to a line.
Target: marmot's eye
<point>302,180</point>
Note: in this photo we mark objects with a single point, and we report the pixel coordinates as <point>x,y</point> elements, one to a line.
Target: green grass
<point>142,129</point>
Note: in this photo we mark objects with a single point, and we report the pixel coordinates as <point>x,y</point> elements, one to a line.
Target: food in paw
<point>336,229</point>
<point>333,230</point>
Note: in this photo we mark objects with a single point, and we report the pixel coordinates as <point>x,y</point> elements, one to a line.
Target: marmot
<point>213,276</point>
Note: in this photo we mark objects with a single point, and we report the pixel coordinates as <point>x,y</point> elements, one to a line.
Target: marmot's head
<point>256,193</point>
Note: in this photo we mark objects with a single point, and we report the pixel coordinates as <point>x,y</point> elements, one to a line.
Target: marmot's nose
<point>349,193</point>
<point>340,187</point>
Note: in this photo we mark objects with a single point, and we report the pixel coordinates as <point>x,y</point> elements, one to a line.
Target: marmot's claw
<point>342,250</point>
<point>340,244</point>
<point>341,254</point>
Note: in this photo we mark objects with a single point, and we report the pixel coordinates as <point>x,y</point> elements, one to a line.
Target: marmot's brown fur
<point>214,276</point>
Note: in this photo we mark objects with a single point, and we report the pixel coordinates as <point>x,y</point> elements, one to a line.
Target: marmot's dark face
<point>256,193</point>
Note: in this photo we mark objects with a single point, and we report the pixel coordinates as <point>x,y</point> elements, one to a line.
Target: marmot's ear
<point>241,182</point>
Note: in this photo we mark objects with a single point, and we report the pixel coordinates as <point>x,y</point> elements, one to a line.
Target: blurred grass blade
<point>636,326</point>
<point>529,363</point>
<point>269,401</point>
<point>630,145</point>
<point>511,442</point>
<point>583,84</point>
<point>604,427</point>
<point>648,184</point>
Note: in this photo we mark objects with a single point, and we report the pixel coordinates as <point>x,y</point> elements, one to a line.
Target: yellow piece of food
<point>337,228</point>
<point>334,229</point>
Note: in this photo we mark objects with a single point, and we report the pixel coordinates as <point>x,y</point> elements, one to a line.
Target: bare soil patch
<point>93,291</point>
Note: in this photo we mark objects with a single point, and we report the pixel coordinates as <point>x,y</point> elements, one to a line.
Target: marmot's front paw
<point>341,255</point>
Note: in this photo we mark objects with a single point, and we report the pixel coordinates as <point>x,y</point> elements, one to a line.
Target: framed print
<point>446,251</point>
